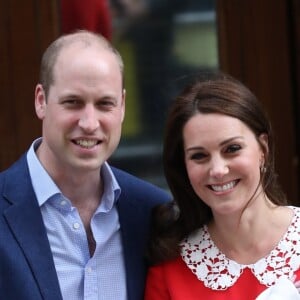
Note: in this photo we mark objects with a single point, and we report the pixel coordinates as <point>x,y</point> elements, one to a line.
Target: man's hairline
<point>93,43</point>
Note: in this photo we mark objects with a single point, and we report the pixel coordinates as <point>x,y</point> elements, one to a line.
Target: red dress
<point>203,272</point>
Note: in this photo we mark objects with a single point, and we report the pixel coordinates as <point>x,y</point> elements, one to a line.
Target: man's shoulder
<point>17,172</point>
<point>136,186</point>
<point>125,178</point>
<point>19,164</point>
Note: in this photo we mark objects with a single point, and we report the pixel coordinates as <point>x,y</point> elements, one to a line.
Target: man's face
<point>84,111</point>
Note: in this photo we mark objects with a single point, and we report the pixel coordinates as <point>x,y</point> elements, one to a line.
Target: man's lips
<point>86,143</point>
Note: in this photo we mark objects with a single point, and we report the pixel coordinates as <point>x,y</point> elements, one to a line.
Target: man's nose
<point>89,119</point>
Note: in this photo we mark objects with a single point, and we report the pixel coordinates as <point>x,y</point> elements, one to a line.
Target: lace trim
<point>218,272</point>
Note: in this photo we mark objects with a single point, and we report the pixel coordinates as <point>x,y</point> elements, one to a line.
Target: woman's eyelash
<point>198,156</point>
<point>233,148</point>
<point>229,149</point>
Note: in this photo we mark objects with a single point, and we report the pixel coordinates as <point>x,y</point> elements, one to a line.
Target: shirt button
<point>76,225</point>
<point>63,202</point>
<point>89,270</point>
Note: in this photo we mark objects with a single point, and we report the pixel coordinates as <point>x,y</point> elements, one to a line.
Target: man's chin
<point>84,165</point>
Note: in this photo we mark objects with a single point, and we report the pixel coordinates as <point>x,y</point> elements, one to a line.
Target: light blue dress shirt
<point>101,277</point>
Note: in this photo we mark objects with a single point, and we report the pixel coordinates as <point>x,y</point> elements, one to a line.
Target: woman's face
<point>223,159</point>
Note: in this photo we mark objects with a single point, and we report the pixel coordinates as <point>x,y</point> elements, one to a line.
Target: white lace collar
<point>218,272</point>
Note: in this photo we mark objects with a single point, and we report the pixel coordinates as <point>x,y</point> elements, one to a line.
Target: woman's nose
<point>218,168</point>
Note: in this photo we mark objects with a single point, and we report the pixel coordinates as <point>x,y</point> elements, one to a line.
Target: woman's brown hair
<point>210,93</point>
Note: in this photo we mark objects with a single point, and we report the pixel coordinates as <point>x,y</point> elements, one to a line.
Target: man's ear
<point>40,101</point>
<point>123,103</point>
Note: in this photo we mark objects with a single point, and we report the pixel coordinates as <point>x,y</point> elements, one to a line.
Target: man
<point>71,226</point>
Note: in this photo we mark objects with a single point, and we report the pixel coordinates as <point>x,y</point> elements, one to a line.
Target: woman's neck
<point>247,237</point>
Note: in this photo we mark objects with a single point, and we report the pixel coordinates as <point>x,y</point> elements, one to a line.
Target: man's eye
<point>233,148</point>
<point>71,102</point>
<point>106,103</point>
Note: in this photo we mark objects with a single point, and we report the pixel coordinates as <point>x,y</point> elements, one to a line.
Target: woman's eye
<point>197,156</point>
<point>233,148</point>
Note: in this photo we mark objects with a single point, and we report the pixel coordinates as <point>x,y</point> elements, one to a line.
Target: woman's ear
<point>264,144</point>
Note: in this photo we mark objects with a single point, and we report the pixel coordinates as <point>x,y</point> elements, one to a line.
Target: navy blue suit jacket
<point>27,270</point>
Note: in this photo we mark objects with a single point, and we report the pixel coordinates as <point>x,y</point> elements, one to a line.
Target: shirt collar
<point>43,185</point>
<point>112,189</point>
<point>45,188</point>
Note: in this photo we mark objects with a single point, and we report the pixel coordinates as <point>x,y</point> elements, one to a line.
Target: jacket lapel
<point>133,223</point>
<point>132,241</point>
<point>25,221</point>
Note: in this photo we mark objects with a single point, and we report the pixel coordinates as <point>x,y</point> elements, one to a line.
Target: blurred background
<point>163,44</point>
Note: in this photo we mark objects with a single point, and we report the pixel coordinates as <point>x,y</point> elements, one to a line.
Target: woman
<point>229,233</point>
